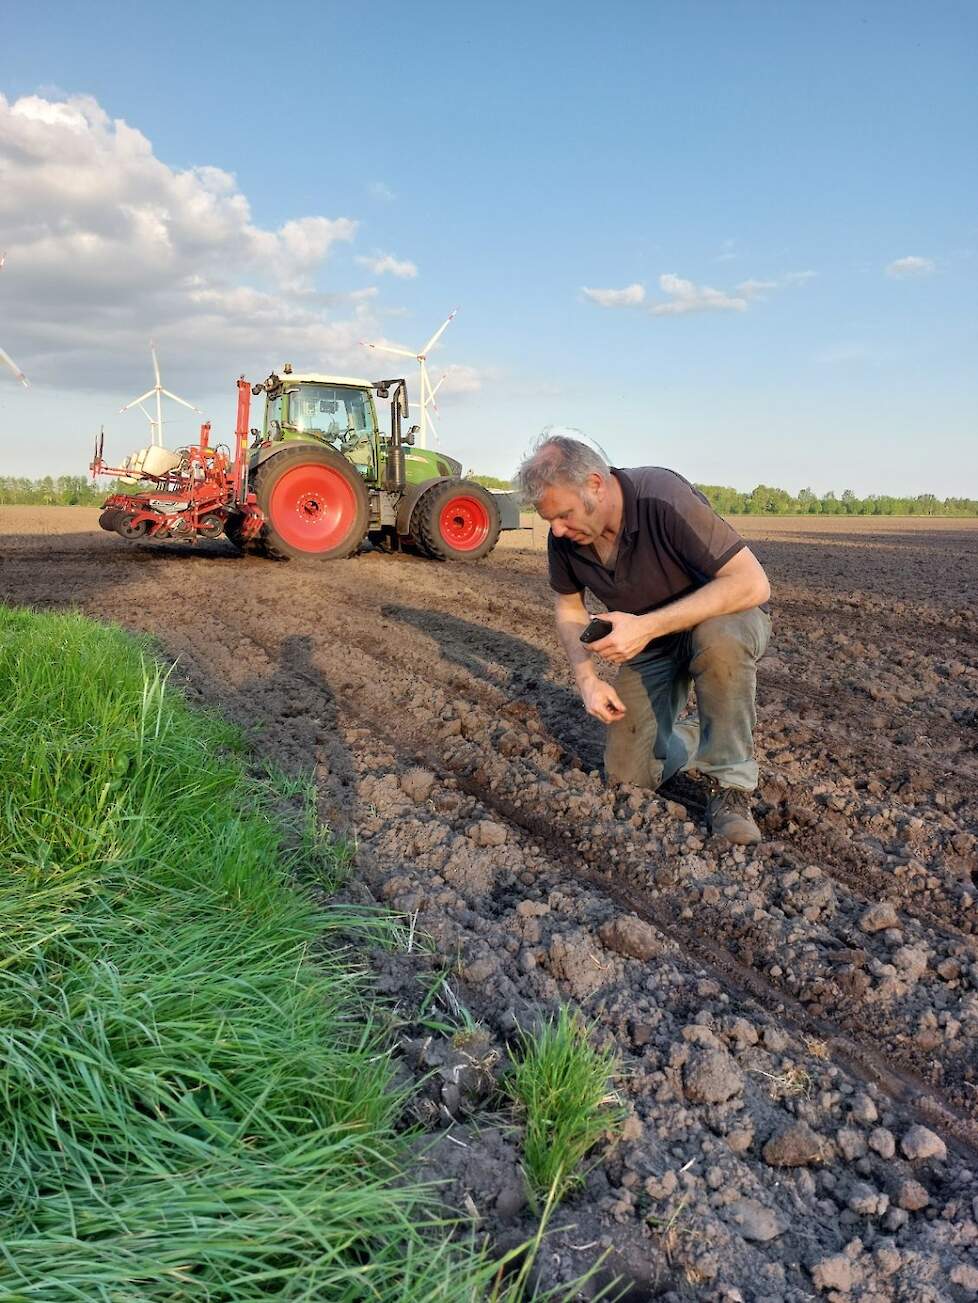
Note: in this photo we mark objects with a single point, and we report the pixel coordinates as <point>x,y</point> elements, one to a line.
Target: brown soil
<point>785,1016</point>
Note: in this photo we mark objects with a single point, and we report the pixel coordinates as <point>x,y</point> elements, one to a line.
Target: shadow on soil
<point>515,666</point>
<point>291,718</point>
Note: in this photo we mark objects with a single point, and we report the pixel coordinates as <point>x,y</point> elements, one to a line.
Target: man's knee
<point>629,757</point>
<point>727,642</point>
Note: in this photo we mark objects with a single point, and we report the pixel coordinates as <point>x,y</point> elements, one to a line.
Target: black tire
<point>321,515</point>
<point>210,527</point>
<point>109,518</point>
<point>466,534</point>
<point>129,528</point>
<point>232,531</point>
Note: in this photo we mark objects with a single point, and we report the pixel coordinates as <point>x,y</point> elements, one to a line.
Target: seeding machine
<point>316,481</point>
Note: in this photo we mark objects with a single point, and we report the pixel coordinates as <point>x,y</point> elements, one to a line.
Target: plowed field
<point>798,1024</point>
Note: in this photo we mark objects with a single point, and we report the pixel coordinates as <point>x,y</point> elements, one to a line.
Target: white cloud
<point>630,297</point>
<point>385,263</point>
<point>108,245</point>
<point>910,266</point>
<point>755,289</point>
<point>685,296</point>
<point>380,190</point>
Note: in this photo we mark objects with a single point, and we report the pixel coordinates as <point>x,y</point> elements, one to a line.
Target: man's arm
<point>736,586</point>
<point>600,698</point>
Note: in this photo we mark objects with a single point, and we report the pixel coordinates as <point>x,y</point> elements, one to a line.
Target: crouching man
<point>686,599</point>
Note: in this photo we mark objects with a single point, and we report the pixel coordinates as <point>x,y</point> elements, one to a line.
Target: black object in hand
<point>597,630</point>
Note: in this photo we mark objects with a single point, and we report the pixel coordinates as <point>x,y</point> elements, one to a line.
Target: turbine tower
<point>4,356</point>
<point>156,427</point>
<point>427,391</point>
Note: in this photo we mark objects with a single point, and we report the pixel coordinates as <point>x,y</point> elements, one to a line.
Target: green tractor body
<point>326,474</point>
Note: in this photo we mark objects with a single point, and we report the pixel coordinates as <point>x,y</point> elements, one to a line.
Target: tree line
<point>65,491</point>
<point>767,501</point>
<point>57,491</point>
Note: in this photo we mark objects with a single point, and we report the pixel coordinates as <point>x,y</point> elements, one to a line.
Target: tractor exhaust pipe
<point>396,471</point>
<point>395,476</point>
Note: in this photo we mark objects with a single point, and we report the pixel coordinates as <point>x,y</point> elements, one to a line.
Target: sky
<point>736,238</point>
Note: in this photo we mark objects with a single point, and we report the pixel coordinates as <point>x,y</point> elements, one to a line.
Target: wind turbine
<point>4,356</point>
<point>156,427</point>
<point>427,392</point>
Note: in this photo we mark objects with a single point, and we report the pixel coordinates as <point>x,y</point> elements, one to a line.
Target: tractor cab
<point>334,410</point>
<point>341,413</point>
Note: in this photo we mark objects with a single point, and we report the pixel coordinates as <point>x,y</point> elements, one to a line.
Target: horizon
<point>734,240</point>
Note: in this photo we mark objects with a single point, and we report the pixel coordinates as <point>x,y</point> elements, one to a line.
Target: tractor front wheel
<point>315,504</point>
<point>457,520</point>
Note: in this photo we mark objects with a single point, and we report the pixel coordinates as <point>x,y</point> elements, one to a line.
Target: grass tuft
<point>190,1106</point>
<point>561,1084</point>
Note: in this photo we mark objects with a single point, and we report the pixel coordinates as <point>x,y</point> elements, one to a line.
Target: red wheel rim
<point>312,508</point>
<point>464,523</point>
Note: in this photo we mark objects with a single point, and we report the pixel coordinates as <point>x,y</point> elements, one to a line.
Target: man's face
<point>574,513</point>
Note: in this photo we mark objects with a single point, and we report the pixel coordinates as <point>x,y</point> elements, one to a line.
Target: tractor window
<point>273,415</point>
<point>341,414</point>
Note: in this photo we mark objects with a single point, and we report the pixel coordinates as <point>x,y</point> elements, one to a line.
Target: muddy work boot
<point>728,815</point>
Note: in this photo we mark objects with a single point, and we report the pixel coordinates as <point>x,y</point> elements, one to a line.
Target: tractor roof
<point>314,378</point>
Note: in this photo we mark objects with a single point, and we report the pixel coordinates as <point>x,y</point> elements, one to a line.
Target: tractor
<point>316,481</point>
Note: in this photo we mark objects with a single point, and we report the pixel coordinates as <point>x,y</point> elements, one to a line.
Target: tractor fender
<point>411,498</point>
<point>258,457</point>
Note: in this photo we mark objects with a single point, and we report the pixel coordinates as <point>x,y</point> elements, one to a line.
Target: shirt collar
<point>629,516</point>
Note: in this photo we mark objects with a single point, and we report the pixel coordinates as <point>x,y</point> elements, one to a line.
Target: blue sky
<point>772,206</point>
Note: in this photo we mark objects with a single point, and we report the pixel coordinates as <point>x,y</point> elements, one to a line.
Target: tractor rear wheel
<point>457,520</point>
<point>315,504</point>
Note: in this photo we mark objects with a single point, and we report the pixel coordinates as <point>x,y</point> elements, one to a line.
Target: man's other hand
<point>629,636</point>
<point>602,701</point>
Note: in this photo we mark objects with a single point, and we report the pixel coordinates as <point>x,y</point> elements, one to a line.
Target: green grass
<point>562,1085</point>
<point>191,1105</point>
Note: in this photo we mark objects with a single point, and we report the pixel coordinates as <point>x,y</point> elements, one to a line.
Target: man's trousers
<point>719,658</point>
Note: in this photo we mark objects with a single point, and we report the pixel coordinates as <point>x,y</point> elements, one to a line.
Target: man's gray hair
<point>557,459</point>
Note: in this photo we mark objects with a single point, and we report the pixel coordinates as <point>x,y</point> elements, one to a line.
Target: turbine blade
<point>439,332</point>
<point>388,348</point>
<point>5,357</point>
<point>177,399</point>
<point>156,365</point>
<point>140,399</point>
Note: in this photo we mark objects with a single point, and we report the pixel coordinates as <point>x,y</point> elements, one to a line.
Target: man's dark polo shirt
<point>672,542</point>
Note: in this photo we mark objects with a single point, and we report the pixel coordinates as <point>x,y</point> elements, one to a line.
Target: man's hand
<point>602,701</point>
<point>630,635</point>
